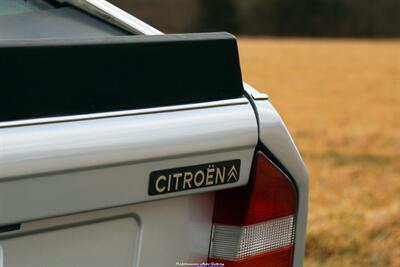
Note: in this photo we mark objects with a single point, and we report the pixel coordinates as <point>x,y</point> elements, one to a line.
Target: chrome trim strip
<point>254,93</point>
<point>114,15</point>
<point>221,103</point>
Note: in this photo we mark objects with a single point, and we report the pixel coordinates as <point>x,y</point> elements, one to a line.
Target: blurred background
<point>332,69</point>
<point>351,18</point>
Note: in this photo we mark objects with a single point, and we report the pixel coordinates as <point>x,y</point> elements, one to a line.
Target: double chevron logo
<point>233,174</point>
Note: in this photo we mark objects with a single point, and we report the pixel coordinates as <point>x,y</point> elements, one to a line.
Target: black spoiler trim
<point>50,78</point>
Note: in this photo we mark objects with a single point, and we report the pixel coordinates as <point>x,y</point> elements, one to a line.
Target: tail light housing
<point>254,226</point>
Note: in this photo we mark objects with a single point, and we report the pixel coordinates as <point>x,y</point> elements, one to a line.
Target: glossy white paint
<point>157,233</point>
<point>106,242</point>
<point>58,147</point>
<point>253,93</point>
<point>61,168</point>
<point>1,257</point>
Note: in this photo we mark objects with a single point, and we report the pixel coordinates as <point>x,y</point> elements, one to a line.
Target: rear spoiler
<point>48,78</point>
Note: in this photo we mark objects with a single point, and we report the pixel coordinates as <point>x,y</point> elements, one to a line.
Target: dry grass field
<point>341,102</point>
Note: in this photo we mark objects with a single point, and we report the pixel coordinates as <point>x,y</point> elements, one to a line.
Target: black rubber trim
<point>48,78</point>
<point>10,228</point>
<point>261,147</point>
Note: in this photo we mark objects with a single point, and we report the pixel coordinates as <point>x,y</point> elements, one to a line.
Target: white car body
<point>76,187</point>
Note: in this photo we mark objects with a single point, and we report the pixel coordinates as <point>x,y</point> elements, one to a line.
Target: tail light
<point>254,226</point>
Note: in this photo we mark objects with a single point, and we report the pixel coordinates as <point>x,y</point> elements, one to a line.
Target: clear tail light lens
<point>255,225</point>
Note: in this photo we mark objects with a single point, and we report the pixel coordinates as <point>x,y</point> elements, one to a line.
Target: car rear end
<point>119,150</point>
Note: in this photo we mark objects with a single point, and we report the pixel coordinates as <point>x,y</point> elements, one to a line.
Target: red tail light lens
<point>254,225</point>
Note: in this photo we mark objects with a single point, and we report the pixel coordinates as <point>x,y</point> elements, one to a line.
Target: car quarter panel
<point>276,138</point>
<point>60,168</point>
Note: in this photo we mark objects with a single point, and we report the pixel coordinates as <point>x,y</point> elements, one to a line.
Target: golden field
<point>341,101</point>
